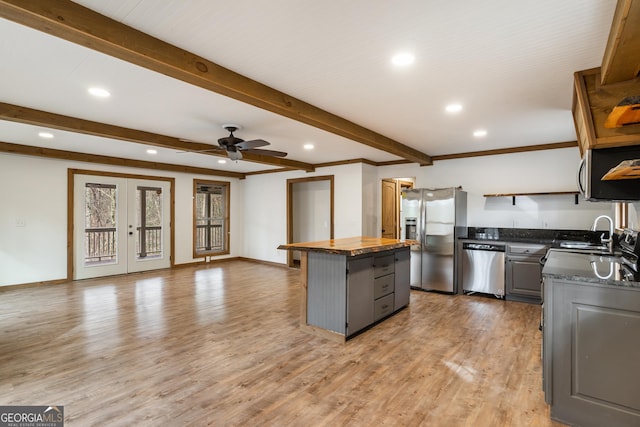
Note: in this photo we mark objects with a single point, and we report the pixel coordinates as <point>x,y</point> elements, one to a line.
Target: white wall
<point>34,191</point>
<point>37,251</point>
<point>265,215</point>
<point>371,201</point>
<point>532,172</point>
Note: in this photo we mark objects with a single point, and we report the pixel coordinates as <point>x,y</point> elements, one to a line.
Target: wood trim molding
<point>290,183</point>
<point>32,284</point>
<point>227,218</point>
<point>70,221</point>
<point>347,162</point>
<point>260,261</point>
<point>71,173</point>
<point>78,24</point>
<point>621,215</point>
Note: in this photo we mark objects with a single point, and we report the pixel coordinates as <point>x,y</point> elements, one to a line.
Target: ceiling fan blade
<point>266,152</point>
<point>254,143</point>
<point>212,149</point>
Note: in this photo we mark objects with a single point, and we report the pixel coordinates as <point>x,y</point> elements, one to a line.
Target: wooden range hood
<point>605,107</point>
<point>594,104</point>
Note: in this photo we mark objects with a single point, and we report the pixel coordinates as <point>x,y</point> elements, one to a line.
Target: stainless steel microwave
<point>596,163</point>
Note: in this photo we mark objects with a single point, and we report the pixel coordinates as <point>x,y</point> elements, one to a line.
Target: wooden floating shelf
<point>553,193</point>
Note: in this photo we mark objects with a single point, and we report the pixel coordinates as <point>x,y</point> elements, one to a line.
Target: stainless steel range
<point>629,246</point>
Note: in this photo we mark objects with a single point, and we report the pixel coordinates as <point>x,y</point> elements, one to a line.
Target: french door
<point>121,225</point>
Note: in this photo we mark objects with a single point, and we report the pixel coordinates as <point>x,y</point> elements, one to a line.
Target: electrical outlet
<point>20,222</point>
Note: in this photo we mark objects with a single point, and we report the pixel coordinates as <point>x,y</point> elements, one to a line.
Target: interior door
<point>121,225</point>
<point>390,209</point>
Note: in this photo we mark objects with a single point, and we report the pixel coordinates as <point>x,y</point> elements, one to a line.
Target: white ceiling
<point>508,62</point>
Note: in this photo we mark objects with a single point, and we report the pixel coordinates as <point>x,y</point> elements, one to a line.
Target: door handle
<point>579,177</point>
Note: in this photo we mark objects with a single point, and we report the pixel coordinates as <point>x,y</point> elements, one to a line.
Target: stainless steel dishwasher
<point>483,268</point>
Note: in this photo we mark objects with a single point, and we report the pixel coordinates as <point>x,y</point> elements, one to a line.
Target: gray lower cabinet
<point>402,279</point>
<point>359,294</point>
<point>346,294</point>
<point>523,271</point>
<point>591,351</point>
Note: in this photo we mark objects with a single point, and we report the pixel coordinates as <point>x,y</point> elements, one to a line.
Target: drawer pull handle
<point>385,306</point>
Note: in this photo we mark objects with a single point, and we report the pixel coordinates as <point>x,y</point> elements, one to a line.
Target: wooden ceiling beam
<point>30,116</point>
<point>511,150</point>
<point>621,60</point>
<point>52,153</point>
<point>78,24</point>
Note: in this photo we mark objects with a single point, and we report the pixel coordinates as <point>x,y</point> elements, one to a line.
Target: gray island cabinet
<point>350,284</point>
<point>591,341</point>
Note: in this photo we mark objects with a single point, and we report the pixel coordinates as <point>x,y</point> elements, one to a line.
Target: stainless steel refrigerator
<point>435,218</point>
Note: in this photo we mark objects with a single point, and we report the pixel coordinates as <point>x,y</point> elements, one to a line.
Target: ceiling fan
<point>235,146</point>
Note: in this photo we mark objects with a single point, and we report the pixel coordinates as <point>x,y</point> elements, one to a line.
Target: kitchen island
<point>591,339</point>
<point>352,283</point>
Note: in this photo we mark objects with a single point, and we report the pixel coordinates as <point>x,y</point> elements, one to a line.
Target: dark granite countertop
<point>549,237</point>
<point>598,269</point>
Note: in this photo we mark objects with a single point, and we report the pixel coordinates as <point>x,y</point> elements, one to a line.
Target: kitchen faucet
<point>608,241</point>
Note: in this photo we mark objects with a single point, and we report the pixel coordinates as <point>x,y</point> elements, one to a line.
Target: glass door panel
<point>149,225</point>
<point>99,237</point>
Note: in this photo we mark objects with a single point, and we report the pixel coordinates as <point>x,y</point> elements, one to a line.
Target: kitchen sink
<point>583,248</point>
<point>582,245</point>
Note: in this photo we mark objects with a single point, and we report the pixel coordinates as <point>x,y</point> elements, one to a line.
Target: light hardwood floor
<point>220,345</point>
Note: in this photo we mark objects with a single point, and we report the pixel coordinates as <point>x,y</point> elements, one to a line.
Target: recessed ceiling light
<point>453,108</point>
<point>222,161</point>
<point>403,59</point>
<point>99,92</point>
<point>152,151</point>
<point>480,133</point>
<point>308,146</point>
<point>46,135</point>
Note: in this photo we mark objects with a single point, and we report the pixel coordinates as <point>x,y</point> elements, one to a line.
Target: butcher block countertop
<point>350,246</point>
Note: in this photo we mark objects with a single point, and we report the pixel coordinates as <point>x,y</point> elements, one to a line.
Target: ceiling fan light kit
<point>234,146</point>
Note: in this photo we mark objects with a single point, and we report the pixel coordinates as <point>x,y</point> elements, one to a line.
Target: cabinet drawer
<point>537,250</point>
<point>383,286</point>
<point>383,265</point>
<point>383,307</point>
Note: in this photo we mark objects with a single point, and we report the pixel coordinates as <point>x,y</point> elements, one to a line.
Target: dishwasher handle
<point>491,247</point>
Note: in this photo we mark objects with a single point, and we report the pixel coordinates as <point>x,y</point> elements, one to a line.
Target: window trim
<point>227,223</point>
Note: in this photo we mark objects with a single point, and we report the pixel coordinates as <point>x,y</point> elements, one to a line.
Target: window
<point>211,218</point>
